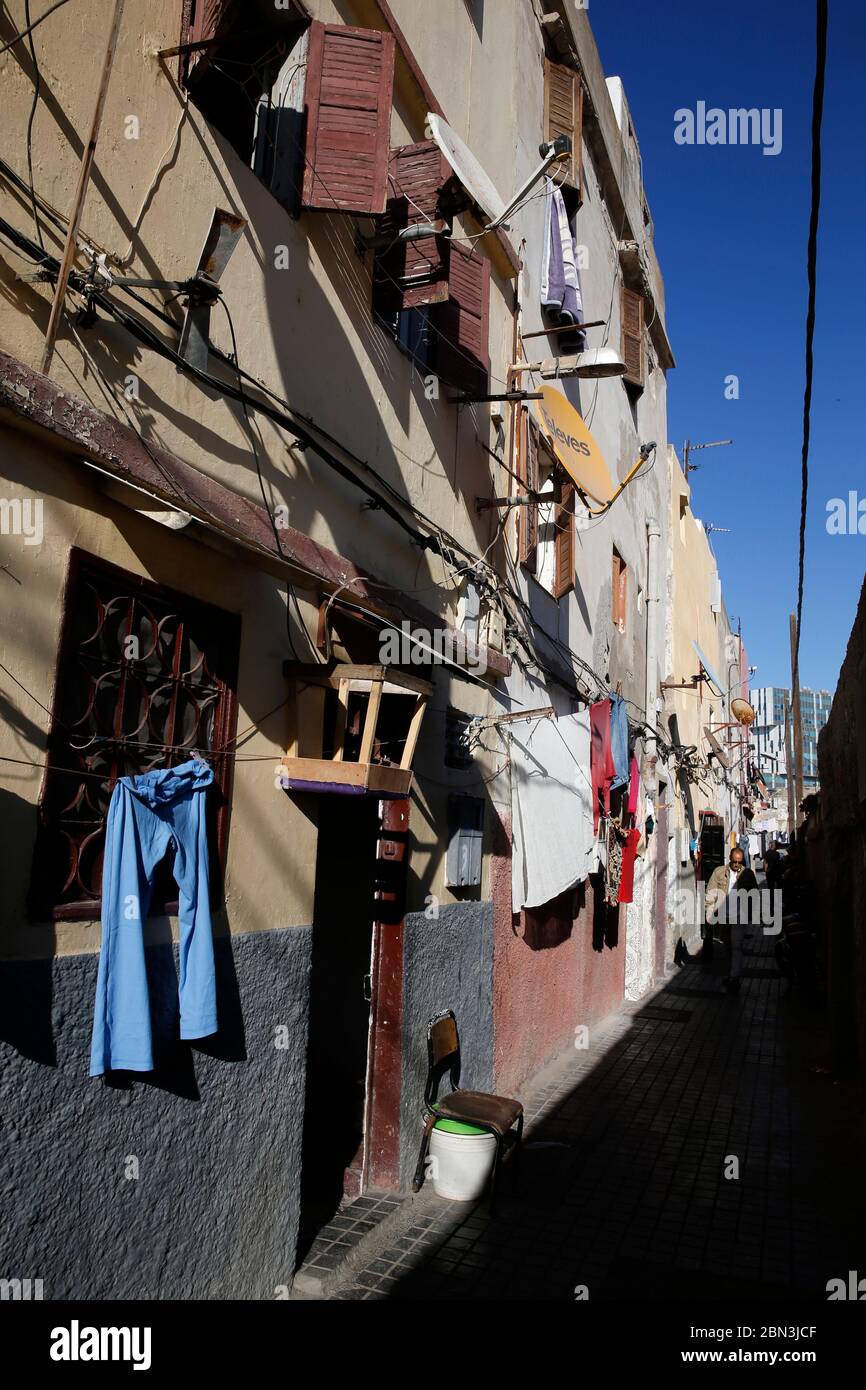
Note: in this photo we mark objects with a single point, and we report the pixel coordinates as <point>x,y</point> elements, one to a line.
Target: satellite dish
<point>203,289</point>
<point>574,446</point>
<point>742,712</point>
<point>718,750</point>
<point>466,167</point>
<point>705,662</point>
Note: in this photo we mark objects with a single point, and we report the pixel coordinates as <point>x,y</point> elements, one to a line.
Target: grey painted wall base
<point>447,964</point>
<point>215,1132</point>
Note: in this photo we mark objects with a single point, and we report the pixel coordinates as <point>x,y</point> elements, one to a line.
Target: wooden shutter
<point>527,467</point>
<point>564,543</point>
<point>413,273</point>
<point>350,81</point>
<point>206,18</point>
<point>462,358</point>
<point>631,317</point>
<point>563,115</point>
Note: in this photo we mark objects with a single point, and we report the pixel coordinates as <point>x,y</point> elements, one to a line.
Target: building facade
<point>706,669</point>
<point>772,704</point>
<point>222,505</point>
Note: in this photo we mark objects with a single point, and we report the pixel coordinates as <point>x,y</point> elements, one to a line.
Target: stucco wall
<point>183,1184</point>
<point>448,964</point>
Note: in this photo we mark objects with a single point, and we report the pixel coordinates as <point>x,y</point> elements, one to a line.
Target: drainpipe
<point>653,596</point>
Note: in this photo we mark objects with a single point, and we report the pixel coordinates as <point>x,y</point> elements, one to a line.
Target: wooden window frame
<point>84,565</point>
<point>563,76</point>
<point>632,337</point>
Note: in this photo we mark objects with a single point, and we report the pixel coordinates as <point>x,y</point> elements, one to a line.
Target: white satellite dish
<point>466,167</point>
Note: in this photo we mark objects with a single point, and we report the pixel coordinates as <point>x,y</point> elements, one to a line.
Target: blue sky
<point>731,226</point>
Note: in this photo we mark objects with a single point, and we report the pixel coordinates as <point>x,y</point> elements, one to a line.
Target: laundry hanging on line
<point>147,815</point>
<point>561,294</point>
<point>603,767</point>
<point>551,817</point>
<point>619,741</point>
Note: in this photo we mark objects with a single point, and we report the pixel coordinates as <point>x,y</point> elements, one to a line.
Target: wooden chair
<point>495,1114</point>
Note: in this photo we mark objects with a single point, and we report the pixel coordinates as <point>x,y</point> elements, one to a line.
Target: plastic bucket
<point>462,1162</point>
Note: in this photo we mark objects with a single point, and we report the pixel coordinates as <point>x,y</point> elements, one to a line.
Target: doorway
<point>344,910</point>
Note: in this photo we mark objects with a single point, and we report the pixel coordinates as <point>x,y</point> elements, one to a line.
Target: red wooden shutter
<point>410,274</point>
<point>564,544</point>
<point>631,314</point>
<point>350,81</point>
<point>563,115</point>
<point>207,15</point>
<point>527,461</point>
<point>462,353</point>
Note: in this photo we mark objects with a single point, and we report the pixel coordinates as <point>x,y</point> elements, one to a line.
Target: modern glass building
<point>768,733</point>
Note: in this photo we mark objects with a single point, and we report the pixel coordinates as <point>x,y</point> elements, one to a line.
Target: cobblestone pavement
<point>622,1186</point>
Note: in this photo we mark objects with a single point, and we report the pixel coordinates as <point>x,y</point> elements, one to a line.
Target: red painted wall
<point>547,979</point>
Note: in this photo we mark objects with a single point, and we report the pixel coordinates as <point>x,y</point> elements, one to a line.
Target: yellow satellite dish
<point>742,712</point>
<point>573,445</point>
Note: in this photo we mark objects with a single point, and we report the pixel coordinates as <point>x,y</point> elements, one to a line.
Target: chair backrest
<point>443,1053</point>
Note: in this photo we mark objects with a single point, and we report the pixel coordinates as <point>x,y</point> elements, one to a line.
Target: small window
<point>563,115</point>
<point>145,677</point>
<point>632,322</point>
<point>249,82</point>
<point>545,527</point>
<point>450,339</point>
<point>306,105</point>
<point>619,591</point>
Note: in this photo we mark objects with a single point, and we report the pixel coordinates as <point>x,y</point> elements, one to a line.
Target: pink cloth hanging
<point>633,786</point>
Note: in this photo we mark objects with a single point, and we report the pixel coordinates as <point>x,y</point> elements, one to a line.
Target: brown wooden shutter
<point>410,274</point>
<point>564,544</point>
<point>563,115</point>
<point>527,467</point>
<point>462,357</point>
<point>631,316</point>
<point>350,81</point>
<point>207,16</point>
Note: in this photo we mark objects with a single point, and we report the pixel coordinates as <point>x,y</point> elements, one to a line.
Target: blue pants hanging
<point>146,815</point>
<point>619,740</point>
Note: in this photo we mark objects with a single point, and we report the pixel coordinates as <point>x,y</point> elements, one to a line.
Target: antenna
<point>689,447</point>
<point>202,289</point>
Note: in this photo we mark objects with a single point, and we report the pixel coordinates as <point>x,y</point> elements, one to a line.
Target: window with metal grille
<point>146,678</point>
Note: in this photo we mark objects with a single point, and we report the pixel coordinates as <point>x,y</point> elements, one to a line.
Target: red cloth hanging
<point>634,784</point>
<point>602,766</point>
<point>629,851</point>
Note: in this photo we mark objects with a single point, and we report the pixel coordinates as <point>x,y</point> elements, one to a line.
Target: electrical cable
<point>37,85</point>
<point>811,271</point>
<point>30,27</point>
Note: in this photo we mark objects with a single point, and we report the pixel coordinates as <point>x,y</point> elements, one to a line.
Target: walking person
<point>727,902</point>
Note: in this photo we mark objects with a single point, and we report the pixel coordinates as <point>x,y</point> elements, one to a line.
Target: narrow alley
<point>622,1192</point>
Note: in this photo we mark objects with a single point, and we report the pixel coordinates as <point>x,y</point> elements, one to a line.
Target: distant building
<point>768,733</point>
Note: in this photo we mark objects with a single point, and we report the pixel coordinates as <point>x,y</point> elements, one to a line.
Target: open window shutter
<point>564,544</point>
<point>350,81</point>
<point>413,273</point>
<point>563,114</point>
<point>527,534</point>
<point>205,20</point>
<point>462,328</point>
<point>631,314</point>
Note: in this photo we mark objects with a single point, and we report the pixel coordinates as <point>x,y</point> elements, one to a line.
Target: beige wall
<point>692,570</point>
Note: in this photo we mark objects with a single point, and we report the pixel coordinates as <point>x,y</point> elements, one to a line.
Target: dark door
<point>339,1021</point>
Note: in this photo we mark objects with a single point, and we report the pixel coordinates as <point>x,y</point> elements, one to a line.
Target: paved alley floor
<point>622,1188</point>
